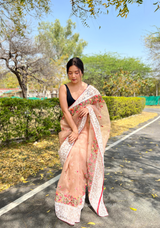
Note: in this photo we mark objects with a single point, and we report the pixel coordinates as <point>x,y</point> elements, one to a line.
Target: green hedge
<point>28,118</point>
<point>33,119</point>
<point>120,107</point>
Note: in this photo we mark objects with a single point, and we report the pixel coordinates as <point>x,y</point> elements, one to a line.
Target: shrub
<point>28,118</point>
<point>33,119</point>
<point>120,107</point>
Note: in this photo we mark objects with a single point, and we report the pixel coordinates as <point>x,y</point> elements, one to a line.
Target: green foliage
<point>33,119</point>
<point>28,118</point>
<point>15,12</point>
<point>152,43</point>
<point>58,41</point>
<point>92,8</point>
<point>123,83</point>
<point>100,68</point>
<point>121,107</point>
<point>112,62</point>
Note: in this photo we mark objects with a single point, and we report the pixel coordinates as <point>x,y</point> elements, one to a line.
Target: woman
<point>84,133</point>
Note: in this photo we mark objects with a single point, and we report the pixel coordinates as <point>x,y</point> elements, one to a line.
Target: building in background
<point>17,92</point>
<point>9,92</point>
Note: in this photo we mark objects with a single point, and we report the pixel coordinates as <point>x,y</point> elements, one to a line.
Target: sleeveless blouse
<point>70,99</point>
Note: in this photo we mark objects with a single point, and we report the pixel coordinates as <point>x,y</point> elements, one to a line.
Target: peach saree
<point>83,160</point>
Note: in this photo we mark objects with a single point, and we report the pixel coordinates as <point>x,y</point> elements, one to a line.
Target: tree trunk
<point>157,89</point>
<point>27,89</point>
<point>23,85</point>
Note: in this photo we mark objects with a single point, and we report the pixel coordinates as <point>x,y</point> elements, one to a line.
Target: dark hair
<point>75,62</point>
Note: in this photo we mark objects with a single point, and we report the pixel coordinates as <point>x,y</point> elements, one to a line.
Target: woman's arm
<point>64,106</point>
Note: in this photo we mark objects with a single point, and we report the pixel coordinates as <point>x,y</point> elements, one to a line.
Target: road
<point>131,195</point>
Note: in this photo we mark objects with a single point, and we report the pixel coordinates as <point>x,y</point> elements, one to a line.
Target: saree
<point>83,160</point>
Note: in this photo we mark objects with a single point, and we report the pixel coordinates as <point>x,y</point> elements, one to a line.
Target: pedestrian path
<point>131,189</point>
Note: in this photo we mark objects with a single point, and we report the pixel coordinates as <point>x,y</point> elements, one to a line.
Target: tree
<point>24,59</point>
<point>14,12</point>
<point>123,83</point>
<point>152,42</point>
<point>99,67</point>
<point>58,41</point>
<point>92,8</point>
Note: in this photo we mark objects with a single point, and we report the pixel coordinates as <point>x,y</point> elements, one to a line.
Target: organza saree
<point>83,160</point>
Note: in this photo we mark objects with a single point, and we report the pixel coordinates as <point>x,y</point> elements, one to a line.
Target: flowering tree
<point>123,83</point>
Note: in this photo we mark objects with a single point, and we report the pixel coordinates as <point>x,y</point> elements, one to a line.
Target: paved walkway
<point>132,169</point>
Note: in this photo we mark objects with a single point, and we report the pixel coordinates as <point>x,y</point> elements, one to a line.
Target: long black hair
<point>75,62</point>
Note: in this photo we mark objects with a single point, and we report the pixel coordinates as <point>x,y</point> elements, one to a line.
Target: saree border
<point>65,212</point>
<point>85,95</point>
<point>100,208</point>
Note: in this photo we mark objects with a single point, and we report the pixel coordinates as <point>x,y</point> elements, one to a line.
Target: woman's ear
<point>81,74</point>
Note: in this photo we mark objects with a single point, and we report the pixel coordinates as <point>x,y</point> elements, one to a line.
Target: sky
<point>124,36</point>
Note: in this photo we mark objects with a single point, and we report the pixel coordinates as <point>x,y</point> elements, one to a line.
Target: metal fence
<point>152,100</point>
<point>31,98</point>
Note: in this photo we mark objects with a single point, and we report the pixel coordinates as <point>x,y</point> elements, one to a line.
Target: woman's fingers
<point>83,113</point>
<point>72,138</point>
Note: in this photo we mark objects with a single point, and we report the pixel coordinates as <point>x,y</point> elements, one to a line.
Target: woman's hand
<point>73,136</point>
<point>83,112</point>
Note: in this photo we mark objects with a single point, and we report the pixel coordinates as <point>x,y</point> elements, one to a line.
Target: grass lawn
<point>19,161</point>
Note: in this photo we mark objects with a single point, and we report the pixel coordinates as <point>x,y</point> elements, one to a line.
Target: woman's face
<point>74,74</point>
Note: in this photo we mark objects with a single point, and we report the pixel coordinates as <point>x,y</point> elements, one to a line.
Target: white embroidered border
<point>66,146</point>
<point>88,93</point>
<point>96,188</point>
<point>97,129</point>
<point>69,213</point>
<point>102,208</point>
<point>97,183</point>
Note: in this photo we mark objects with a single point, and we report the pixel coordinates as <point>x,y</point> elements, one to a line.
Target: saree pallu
<point>83,160</point>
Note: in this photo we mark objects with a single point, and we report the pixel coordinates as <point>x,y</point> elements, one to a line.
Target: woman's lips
<point>73,79</point>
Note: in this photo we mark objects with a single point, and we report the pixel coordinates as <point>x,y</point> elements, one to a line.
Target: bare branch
<point>24,58</point>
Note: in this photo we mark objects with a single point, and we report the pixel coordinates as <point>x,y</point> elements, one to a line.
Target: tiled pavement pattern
<point>132,169</point>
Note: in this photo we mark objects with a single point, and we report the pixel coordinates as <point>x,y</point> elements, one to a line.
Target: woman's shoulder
<point>63,85</point>
<point>62,88</point>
